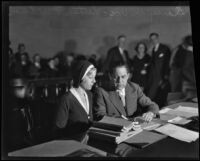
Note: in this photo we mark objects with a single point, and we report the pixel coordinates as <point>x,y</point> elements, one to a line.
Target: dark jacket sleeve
<point>62,113</point>
<point>99,104</point>
<point>166,63</point>
<point>145,101</point>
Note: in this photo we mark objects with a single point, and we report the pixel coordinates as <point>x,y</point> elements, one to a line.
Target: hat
<point>80,69</point>
<point>18,82</point>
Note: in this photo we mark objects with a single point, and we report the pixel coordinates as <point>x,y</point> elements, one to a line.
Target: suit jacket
<point>160,61</point>
<point>109,103</point>
<point>159,68</point>
<point>114,56</point>
<point>71,119</point>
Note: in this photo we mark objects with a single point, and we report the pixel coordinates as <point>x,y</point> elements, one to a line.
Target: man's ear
<point>128,75</point>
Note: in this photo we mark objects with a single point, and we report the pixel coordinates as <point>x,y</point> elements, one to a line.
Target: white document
<point>165,110</point>
<point>178,133</point>
<point>182,111</point>
<point>179,120</point>
<point>191,110</point>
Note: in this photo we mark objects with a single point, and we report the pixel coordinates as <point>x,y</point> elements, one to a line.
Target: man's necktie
<point>122,96</point>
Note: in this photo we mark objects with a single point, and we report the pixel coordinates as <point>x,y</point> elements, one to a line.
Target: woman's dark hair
<point>138,44</point>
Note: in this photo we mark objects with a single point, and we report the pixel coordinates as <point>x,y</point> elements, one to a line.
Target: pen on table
<point>124,117</point>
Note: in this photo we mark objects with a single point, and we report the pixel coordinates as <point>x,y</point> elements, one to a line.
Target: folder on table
<point>145,138</point>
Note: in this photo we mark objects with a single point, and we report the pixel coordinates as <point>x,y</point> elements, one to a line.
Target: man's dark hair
<point>121,36</point>
<point>138,44</point>
<point>20,45</point>
<point>153,34</point>
<point>116,65</point>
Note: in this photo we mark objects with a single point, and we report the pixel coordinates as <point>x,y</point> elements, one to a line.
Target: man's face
<point>19,92</point>
<point>122,42</point>
<point>154,39</point>
<point>120,77</point>
<point>22,49</point>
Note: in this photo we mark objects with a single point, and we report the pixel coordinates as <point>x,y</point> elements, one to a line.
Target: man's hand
<point>148,116</point>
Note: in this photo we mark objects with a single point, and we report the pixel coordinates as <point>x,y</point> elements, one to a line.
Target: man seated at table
<point>124,99</point>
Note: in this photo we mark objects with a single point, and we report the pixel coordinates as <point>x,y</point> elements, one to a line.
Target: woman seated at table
<point>74,115</point>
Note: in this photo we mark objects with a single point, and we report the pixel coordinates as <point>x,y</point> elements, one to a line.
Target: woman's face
<point>141,49</point>
<point>89,80</point>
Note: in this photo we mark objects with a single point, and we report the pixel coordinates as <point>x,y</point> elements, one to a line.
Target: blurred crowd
<point>158,72</point>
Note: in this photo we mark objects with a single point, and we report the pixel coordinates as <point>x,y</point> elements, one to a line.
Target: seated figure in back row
<point>125,99</point>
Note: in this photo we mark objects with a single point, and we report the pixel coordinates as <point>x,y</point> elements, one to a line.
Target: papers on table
<point>178,132</point>
<point>165,110</point>
<point>179,120</point>
<point>191,110</point>
<point>146,125</point>
<point>181,111</point>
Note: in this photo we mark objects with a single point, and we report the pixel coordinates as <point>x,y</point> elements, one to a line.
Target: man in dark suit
<point>159,74</point>
<point>123,99</point>
<point>117,54</point>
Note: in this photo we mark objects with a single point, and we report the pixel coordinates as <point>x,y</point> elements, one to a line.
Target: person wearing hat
<point>74,115</point>
<point>19,120</point>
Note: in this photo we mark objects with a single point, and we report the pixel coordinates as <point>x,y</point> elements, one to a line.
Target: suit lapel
<point>117,102</point>
<point>129,97</point>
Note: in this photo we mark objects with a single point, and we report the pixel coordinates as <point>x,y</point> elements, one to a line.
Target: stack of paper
<point>110,129</point>
<point>112,123</point>
<point>178,132</point>
<point>146,125</point>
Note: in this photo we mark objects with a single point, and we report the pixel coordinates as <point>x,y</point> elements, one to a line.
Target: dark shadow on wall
<point>107,43</point>
<point>70,46</point>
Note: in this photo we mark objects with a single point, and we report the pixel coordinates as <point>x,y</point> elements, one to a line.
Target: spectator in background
<point>36,67</point>
<point>117,54</point>
<point>11,56</point>
<point>58,66</point>
<point>19,121</point>
<point>184,62</point>
<point>80,57</point>
<point>20,69</point>
<point>67,67</point>
<point>141,66</point>
<point>159,74</point>
<point>51,70</point>
<point>21,51</point>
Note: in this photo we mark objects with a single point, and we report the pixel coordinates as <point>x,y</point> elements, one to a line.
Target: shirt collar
<point>121,92</point>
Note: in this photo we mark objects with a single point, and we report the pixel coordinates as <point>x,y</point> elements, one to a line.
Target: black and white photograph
<point>104,80</point>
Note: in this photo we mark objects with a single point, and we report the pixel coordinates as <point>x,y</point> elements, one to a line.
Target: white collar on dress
<point>76,94</point>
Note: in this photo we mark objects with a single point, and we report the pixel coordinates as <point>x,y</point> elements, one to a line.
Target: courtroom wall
<point>93,30</point>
